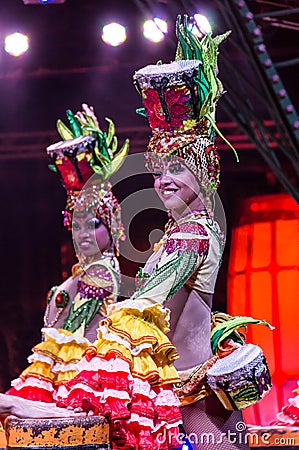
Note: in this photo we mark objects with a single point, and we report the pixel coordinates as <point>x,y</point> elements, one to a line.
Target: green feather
<point>225,329</point>
<point>120,157</point>
<point>64,131</point>
<point>52,167</point>
<point>114,144</point>
<point>74,123</point>
<point>141,112</point>
<point>111,131</point>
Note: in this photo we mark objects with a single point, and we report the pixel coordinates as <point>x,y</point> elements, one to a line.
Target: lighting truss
<point>43,2</point>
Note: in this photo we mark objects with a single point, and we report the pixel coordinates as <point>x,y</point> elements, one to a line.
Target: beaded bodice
<point>89,292</point>
<point>207,243</point>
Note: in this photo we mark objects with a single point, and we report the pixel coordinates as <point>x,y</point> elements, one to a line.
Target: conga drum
<point>240,379</point>
<point>82,433</point>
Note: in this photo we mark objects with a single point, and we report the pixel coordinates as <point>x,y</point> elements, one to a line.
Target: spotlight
<point>155,29</point>
<point>114,34</point>
<point>42,2</point>
<point>16,44</point>
<point>203,24</point>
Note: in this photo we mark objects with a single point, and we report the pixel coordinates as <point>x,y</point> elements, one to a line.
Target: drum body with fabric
<point>72,160</point>
<point>241,378</point>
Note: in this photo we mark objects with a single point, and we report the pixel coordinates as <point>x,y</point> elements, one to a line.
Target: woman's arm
<point>184,250</point>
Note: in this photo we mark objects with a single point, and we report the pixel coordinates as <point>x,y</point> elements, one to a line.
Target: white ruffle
<point>62,338</point>
<point>62,392</point>
<point>101,395</point>
<point>285,419</point>
<point>144,421</point>
<point>19,384</point>
<point>294,401</point>
<point>166,398</point>
<point>114,393</point>
<point>166,425</point>
<point>143,388</point>
<point>97,363</point>
<point>41,358</point>
<point>64,367</point>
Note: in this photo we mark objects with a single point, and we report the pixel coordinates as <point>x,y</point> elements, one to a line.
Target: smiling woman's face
<point>176,186</point>
<point>91,236</point>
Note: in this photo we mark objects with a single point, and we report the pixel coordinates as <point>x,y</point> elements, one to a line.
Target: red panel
<point>264,283</point>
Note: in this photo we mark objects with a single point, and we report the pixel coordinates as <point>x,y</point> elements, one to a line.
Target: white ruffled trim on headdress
<point>173,71</point>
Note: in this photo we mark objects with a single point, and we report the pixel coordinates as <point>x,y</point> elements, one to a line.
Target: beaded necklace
<point>62,299</point>
<point>95,294</point>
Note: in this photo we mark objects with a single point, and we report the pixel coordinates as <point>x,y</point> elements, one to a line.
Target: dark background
<point>67,64</point>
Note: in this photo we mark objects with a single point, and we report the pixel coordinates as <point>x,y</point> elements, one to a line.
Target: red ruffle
<point>32,393</point>
<point>85,391</point>
<point>135,437</point>
<point>292,412</point>
<point>95,383</point>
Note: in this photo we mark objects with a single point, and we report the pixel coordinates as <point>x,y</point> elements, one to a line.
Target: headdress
<point>87,150</point>
<point>180,99</point>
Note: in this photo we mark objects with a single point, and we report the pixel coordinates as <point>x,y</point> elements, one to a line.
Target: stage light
<point>42,2</point>
<point>155,29</point>
<point>16,44</point>
<point>114,34</point>
<point>203,24</point>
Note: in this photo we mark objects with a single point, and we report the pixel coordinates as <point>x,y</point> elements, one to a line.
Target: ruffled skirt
<point>128,376</point>
<point>53,363</point>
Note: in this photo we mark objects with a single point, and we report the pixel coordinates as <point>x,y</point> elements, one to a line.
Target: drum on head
<point>72,160</point>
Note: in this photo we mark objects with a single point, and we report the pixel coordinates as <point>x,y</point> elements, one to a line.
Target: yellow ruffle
<point>62,353</point>
<point>62,377</point>
<point>39,370</point>
<point>144,309</point>
<point>145,367</point>
<point>138,331</point>
<point>141,343</point>
<point>48,348</point>
<point>103,347</point>
<point>68,352</point>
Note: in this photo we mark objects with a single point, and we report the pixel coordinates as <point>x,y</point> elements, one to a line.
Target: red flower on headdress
<point>176,102</point>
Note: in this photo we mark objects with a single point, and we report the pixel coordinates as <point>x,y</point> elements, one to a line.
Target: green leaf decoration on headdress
<point>107,159</point>
<point>65,133</point>
<point>205,50</point>
<point>228,329</point>
<point>209,87</point>
<point>74,123</point>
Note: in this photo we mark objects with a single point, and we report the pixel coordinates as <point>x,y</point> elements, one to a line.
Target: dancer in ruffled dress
<point>75,308</point>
